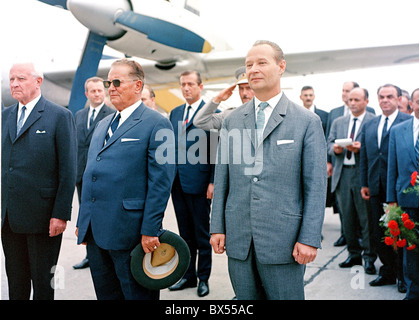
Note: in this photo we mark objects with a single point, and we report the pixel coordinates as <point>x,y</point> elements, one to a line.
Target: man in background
<point>86,121</point>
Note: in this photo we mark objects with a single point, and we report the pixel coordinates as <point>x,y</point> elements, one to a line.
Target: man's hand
<point>355,147</point>
<point>365,193</point>
<point>210,191</point>
<point>303,253</point>
<point>56,226</point>
<point>224,95</point>
<point>149,243</point>
<point>217,242</point>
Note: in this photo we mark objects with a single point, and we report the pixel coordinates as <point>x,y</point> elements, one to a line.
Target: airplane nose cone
<point>99,15</point>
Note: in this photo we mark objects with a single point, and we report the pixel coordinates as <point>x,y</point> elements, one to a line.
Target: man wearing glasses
<point>126,186</point>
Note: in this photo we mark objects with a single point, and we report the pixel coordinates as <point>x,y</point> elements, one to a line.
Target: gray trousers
<point>356,215</point>
<point>253,280</point>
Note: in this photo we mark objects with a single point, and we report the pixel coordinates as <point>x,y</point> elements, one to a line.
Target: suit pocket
<point>48,192</point>
<point>133,204</point>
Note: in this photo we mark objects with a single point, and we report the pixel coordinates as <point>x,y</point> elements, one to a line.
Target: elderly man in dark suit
<point>86,121</point>
<point>126,185</point>
<point>39,155</point>
<point>373,169</point>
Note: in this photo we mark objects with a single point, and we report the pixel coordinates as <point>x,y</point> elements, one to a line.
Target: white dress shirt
<point>391,119</point>
<point>192,111</point>
<point>97,110</point>
<point>29,107</point>
<point>268,110</point>
<point>351,160</point>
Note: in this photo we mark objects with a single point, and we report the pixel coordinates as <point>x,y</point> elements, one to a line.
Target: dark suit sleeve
<point>392,169</point>
<point>161,173</point>
<point>363,159</point>
<point>66,144</point>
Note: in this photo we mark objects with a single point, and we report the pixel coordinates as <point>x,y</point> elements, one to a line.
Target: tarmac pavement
<point>324,279</point>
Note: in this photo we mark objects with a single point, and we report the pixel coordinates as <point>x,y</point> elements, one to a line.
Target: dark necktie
<point>187,116</point>
<point>349,153</point>
<point>20,122</point>
<point>384,131</point>
<point>113,127</point>
<point>92,118</point>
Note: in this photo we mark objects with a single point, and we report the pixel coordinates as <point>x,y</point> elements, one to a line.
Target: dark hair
<point>188,72</point>
<point>389,85</point>
<point>306,88</point>
<point>136,69</point>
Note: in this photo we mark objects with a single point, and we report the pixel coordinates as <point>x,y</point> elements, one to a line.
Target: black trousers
<point>192,215</point>
<point>30,258</point>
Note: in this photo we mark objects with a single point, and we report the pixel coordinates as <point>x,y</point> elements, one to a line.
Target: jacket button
<point>255,179</point>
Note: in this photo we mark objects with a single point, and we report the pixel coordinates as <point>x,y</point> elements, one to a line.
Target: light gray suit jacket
<point>274,194</point>
<point>339,130</point>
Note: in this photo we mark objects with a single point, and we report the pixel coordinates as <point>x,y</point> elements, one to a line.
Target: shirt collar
<point>272,102</point>
<point>30,105</point>
<point>128,111</point>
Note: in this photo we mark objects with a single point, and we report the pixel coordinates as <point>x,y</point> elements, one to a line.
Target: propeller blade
<point>87,68</point>
<point>57,3</point>
<point>164,32</point>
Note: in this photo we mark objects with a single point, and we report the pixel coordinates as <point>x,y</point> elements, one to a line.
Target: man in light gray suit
<point>270,191</point>
<point>346,181</point>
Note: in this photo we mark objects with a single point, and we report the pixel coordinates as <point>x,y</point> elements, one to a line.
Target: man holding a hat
<point>207,118</point>
<point>126,186</point>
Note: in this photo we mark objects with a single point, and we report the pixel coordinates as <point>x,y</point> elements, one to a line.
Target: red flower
<point>413,178</point>
<point>409,224</point>
<point>392,224</point>
<point>411,247</point>
<point>401,243</point>
<point>395,232</point>
<point>405,216</point>
<point>389,241</point>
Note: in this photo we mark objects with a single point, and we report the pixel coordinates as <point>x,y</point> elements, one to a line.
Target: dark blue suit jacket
<point>127,182</point>
<point>373,160</point>
<point>38,167</point>
<point>84,136</point>
<point>193,153</point>
<point>401,164</point>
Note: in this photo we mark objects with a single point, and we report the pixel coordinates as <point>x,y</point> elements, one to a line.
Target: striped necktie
<point>260,121</point>
<point>113,127</point>
<point>21,120</point>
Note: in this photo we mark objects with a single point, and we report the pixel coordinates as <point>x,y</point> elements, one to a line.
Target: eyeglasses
<point>116,83</point>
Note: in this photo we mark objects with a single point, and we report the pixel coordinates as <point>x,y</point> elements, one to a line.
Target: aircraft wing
<point>219,67</point>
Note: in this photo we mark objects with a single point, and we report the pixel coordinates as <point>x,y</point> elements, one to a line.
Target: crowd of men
<point>270,189</point>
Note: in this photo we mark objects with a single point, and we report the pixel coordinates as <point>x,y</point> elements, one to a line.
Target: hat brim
<point>161,277</point>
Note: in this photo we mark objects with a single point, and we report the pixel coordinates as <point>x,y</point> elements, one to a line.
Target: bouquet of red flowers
<point>400,229</point>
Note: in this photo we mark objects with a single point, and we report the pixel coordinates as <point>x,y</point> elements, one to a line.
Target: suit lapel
<point>408,139</point>
<point>277,116</point>
<point>132,120</point>
<point>250,120</point>
<point>32,118</point>
<point>13,122</point>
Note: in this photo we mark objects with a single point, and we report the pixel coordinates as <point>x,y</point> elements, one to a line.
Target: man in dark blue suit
<point>193,185</point>
<point>86,121</point>
<point>373,169</point>
<point>403,158</point>
<point>37,184</point>
<point>126,185</point>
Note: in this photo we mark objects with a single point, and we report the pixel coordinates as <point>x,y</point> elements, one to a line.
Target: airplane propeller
<point>110,20</point>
